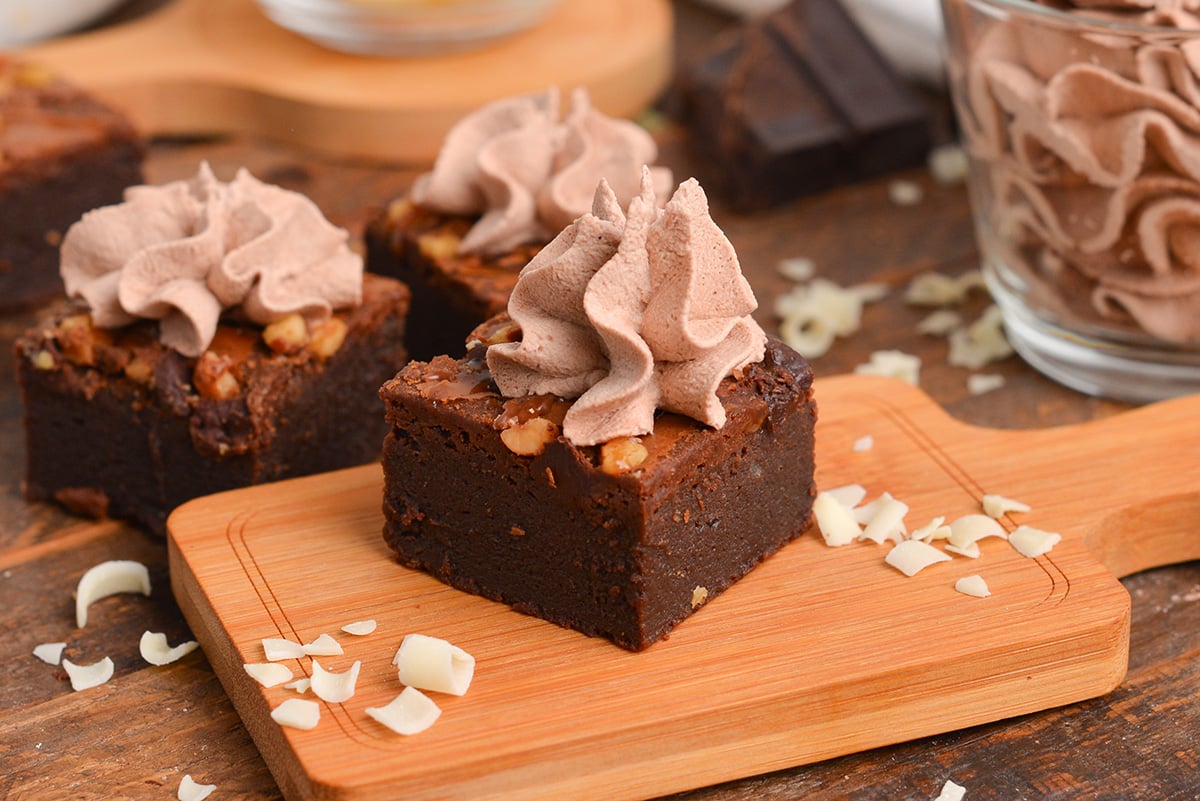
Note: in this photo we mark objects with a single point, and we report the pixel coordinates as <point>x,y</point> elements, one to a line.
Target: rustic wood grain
<point>136,737</point>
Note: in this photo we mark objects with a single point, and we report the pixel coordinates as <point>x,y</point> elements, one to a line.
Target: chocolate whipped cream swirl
<point>185,252</point>
<point>529,175</point>
<point>630,313</point>
<point>1092,146</point>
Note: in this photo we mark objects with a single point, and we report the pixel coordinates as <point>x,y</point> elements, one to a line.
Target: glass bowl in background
<point>405,27</point>
<point>24,22</point>
<point>1083,136</point>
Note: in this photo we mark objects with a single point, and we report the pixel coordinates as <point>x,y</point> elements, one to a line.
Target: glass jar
<point>1083,136</point>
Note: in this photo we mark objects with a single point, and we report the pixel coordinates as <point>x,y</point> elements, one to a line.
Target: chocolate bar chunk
<point>798,102</point>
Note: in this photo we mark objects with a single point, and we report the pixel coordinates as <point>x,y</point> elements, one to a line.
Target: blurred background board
<point>199,67</point>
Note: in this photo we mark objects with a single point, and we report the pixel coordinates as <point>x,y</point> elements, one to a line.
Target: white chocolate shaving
<point>940,323</point>
<point>155,650</point>
<point>980,383</point>
<point>297,713</point>
<point>334,687</point>
<point>863,444</point>
<point>998,506</point>
<point>981,342</point>
<point>277,648</point>
<point>933,530</point>
<point>109,578</point>
<point>798,269</point>
<point>905,193</point>
<point>888,520</point>
<point>812,315</point>
<point>948,164</point>
<point>323,646</point>
<point>969,550</point>
<point>360,628</point>
<point>268,674</point>
<point>189,790</point>
<point>912,556</point>
<point>410,712</point>
<point>934,289</point>
<point>300,685</point>
<point>973,585</point>
<point>84,677</point>
<point>834,520</point>
<point>972,528</point>
<point>428,663</point>
<point>50,652</point>
<point>892,364</point>
<point>1033,542</point>
<point>951,792</point>
<point>850,495</point>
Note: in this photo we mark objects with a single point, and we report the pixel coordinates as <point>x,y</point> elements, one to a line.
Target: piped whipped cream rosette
<point>629,313</point>
<point>1092,142</point>
<point>186,252</point>
<point>528,174</point>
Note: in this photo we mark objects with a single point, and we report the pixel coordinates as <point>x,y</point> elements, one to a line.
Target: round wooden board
<point>200,67</point>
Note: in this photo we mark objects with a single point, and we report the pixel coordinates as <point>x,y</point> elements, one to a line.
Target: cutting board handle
<point>1128,484</point>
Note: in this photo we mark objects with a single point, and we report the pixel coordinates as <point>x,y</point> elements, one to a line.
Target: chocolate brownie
<point>452,293</point>
<point>62,153</point>
<point>119,425</point>
<point>795,103</point>
<point>579,536</point>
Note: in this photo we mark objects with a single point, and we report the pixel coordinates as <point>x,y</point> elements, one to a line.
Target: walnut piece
<point>42,360</point>
<point>530,437</point>
<point>78,339</point>
<point>140,370</point>
<point>287,334</point>
<point>213,377</point>
<point>621,455</point>
<point>438,245</point>
<point>327,337</point>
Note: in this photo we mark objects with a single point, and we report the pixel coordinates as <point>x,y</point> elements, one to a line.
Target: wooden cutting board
<point>199,67</point>
<point>819,652</point>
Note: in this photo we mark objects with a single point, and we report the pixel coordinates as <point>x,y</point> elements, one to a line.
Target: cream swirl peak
<point>527,174</point>
<point>630,313</point>
<point>184,252</point>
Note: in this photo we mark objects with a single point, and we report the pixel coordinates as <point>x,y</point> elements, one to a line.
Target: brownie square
<point>62,153</point>
<point>451,293</point>
<point>118,425</point>
<point>568,536</point>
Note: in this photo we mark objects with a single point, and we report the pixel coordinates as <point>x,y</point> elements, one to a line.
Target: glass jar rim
<point>1032,8</point>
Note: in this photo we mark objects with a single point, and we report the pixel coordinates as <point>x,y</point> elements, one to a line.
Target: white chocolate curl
<point>333,687</point>
<point>184,252</point>
<point>85,677</point>
<point>154,649</point>
<point>429,663</point>
<point>529,175</point>
<point>410,712</point>
<point>297,713</point>
<point>109,578</point>
<point>629,314</point>
<point>190,790</point>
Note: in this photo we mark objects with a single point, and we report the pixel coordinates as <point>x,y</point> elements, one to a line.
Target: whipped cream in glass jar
<point>1081,121</point>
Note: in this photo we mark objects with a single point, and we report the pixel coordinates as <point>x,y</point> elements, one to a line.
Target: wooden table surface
<point>136,736</point>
